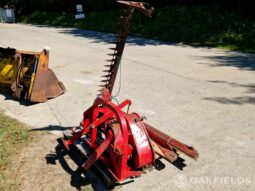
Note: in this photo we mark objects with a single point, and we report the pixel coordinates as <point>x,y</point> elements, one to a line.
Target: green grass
<point>192,25</point>
<point>13,136</point>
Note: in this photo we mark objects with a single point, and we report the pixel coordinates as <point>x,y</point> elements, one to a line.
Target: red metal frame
<point>126,148</point>
<point>128,145</point>
<point>121,140</point>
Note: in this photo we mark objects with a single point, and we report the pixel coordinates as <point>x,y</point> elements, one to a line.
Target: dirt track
<point>204,97</point>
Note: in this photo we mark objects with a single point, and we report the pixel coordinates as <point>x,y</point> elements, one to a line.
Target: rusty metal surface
<point>170,143</point>
<point>46,84</point>
<point>25,75</point>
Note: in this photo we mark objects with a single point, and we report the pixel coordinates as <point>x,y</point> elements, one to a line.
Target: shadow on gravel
<point>88,180</point>
<point>80,179</point>
<point>249,88</point>
<point>21,102</point>
<point>51,128</point>
<point>99,37</point>
<point>233,59</point>
<point>241,100</point>
<point>234,100</point>
<point>179,163</point>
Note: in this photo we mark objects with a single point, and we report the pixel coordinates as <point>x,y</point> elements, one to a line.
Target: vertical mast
<point>125,22</point>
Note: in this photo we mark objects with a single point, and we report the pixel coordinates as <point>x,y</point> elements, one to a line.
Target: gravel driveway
<point>204,97</point>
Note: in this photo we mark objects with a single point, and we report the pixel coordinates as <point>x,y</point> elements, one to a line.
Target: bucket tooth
<point>104,80</point>
<point>109,60</point>
<point>106,76</point>
<point>108,65</point>
<point>112,48</point>
<point>111,54</point>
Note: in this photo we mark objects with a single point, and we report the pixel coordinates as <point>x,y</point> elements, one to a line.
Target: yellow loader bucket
<point>26,75</point>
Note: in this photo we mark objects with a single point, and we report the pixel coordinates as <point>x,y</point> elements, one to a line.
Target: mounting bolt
<point>143,118</point>
<point>140,119</point>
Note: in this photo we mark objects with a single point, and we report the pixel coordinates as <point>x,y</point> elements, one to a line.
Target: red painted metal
<point>140,140</point>
<point>128,144</point>
<point>125,141</point>
<point>124,144</point>
<point>169,142</point>
<point>99,151</point>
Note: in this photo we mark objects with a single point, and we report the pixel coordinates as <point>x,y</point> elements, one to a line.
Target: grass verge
<point>13,136</point>
<point>192,25</point>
